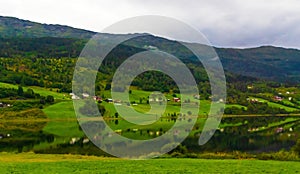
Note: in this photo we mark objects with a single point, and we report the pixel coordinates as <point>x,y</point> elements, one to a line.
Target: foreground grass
<point>38,163</point>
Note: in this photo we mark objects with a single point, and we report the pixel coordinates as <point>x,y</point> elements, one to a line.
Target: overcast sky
<point>226,23</point>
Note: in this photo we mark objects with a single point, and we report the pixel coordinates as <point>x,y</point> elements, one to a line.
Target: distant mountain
<point>21,38</point>
<point>11,27</point>
<point>267,62</point>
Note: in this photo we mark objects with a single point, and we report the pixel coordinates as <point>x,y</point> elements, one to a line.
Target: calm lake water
<point>66,136</point>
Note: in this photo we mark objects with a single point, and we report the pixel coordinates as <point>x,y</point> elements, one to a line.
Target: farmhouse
<point>279,130</point>
<point>277,98</point>
<point>117,101</point>
<point>176,99</point>
<point>156,99</point>
<point>98,99</point>
<point>197,96</point>
<point>250,87</point>
<point>85,95</point>
<point>150,47</point>
<point>3,105</point>
<point>253,100</point>
<point>109,100</point>
<point>74,97</point>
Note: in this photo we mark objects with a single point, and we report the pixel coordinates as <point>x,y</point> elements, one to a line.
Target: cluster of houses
<point>76,97</point>
<point>4,136</point>
<point>155,98</point>
<point>253,100</point>
<point>275,98</point>
<point>176,99</point>
<point>152,98</point>
<point>76,139</point>
<point>3,105</point>
<point>150,47</point>
<point>97,98</point>
<point>278,98</point>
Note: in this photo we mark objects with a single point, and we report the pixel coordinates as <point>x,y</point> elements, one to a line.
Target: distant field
<point>40,90</point>
<point>38,163</point>
<point>276,105</point>
<point>61,110</point>
<point>235,105</point>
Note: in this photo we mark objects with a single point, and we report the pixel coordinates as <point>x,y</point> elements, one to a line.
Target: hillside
<point>11,27</point>
<point>268,62</point>
<point>21,38</point>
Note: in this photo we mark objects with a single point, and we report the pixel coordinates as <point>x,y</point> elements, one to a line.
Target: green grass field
<point>62,120</point>
<point>39,163</point>
<point>276,105</point>
<point>40,90</point>
<point>61,111</point>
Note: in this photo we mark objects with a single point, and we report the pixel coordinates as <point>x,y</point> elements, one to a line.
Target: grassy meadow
<point>38,163</point>
<point>40,90</point>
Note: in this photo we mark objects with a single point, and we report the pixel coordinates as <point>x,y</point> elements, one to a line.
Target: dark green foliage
<point>29,93</point>
<point>51,73</point>
<point>296,148</point>
<point>50,99</point>
<point>116,115</point>
<point>273,63</point>
<point>20,91</point>
<point>40,47</point>
<point>102,110</point>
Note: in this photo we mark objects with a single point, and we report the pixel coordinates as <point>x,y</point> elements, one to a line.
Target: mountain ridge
<point>91,33</point>
<point>20,38</point>
<point>11,27</point>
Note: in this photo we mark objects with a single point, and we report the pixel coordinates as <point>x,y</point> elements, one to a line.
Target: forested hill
<point>11,27</point>
<point>268,62</point>
<point>277,64</point>
<point>21,38</point>
<point>45,47</point>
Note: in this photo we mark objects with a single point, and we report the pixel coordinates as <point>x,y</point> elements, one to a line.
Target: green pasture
<point>40,90</point>
<point>48,163</point>
<point>276,105</point>
<point>62,120</point>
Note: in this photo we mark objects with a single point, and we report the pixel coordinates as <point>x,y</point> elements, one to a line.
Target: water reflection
<point>263,134</point>
<point>22,136</point>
